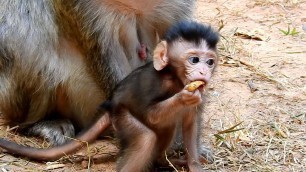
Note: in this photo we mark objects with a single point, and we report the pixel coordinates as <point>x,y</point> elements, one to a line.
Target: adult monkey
<point>59,59</point>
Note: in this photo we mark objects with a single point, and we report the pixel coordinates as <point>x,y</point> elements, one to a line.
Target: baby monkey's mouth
<point>202,88</point>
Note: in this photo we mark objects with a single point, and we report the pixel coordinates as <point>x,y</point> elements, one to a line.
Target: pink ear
<point>160,59</point>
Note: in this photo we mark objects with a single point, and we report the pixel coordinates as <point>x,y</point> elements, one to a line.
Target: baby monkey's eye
<point>210,62</point>
<point>194,60</point>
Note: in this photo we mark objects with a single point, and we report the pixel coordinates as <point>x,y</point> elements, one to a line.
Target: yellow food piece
<point>194,85</point>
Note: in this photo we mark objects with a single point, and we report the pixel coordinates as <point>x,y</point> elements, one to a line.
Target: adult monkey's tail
<point>54,153</point>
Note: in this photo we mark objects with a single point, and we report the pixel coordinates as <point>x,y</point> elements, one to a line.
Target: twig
<point>260,72</point>
<point>171,165</point>
<point>267,151</point>
<point>88,150</point>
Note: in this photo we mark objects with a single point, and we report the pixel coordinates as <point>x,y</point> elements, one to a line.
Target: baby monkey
<point>149,104</point>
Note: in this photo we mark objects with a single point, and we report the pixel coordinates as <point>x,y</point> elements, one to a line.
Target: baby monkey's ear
<point>160,58</point>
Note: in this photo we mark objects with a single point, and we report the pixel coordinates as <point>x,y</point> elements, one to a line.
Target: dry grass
<point>263,145</point>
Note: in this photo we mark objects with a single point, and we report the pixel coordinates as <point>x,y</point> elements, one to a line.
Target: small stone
<point>304,27</point>
<point>85,164</point>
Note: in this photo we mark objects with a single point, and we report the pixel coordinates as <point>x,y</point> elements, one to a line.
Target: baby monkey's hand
<point>190,95</point>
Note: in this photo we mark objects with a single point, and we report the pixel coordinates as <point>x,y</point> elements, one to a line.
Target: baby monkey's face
<point>193,62</point>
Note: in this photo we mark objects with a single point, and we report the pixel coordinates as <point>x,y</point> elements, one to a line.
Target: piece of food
<point>194,85</point>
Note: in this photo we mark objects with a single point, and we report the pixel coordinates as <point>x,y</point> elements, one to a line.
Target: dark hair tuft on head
<point>193,32</point>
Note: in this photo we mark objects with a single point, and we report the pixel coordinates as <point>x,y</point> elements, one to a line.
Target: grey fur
<point>56,132</point>
<point>72,46</point>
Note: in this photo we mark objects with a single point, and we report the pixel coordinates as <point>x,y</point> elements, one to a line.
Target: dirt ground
<point>260,81</point>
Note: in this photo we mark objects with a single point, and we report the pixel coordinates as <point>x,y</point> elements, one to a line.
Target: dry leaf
<point>255,34</point>
<point>52,166</point>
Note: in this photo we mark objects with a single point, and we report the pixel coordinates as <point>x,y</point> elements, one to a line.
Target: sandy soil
<point>273,112</point>
<point>260,81</point>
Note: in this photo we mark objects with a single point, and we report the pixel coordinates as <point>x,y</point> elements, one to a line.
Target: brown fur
<point>59,59</point>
